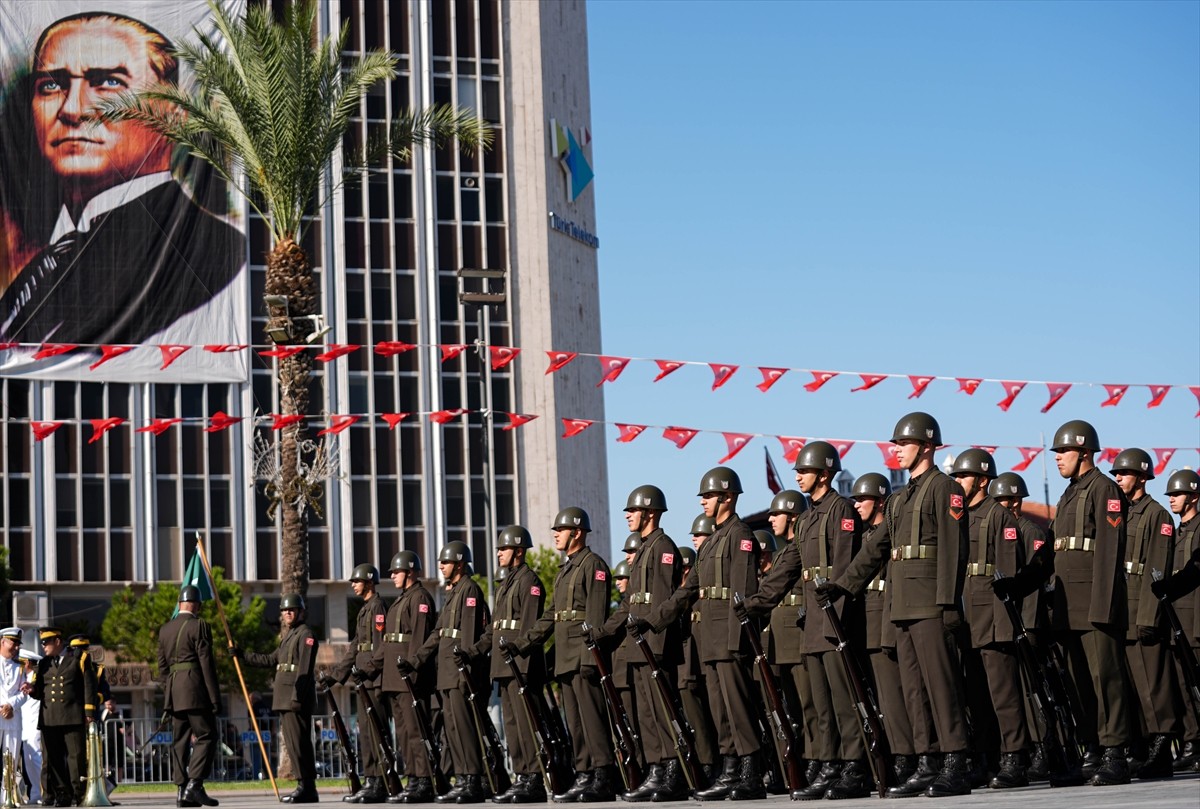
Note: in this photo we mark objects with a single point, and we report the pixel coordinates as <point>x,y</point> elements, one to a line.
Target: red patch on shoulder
<point>379,621</point>
<point>847,525</point>
<point>1010,534</point>
<point>423,608</point>
<point>309,641</point>
<point>1113,521</point>
<point>956,501</point>
<point>1167,529</point>
<point>471,601</point>
<point>535,590</point>
<point>1038,543</point>
<point>1114,505</point>
<point>601,575</point>
<point>747,545</point>
<point>668,558</point>
<point>956,514</point>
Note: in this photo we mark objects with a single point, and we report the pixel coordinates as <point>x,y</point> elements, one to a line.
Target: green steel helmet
<point>1076,434</point>
<point>766,541</point>
<point>1008,484</point>
<point>514,536</point>
<point>572,517</point>
<point>621,571</point>
<point>974,461</point>
<point>365,572</point>
<point>1183,481</point>
<point>687,556</point>
<point>818,455</point>
<point>1134,460</point>
<point>703,526</point>
<point>455,552</point>
<point>918,427</point>
<point>788,501</point>
<point>291,601</point>
<point>405,560</point>
<point>647,497</point>
<point>189,594</point>
<point>632,542</point>
<point>720,479</point>
<point>871,484</point>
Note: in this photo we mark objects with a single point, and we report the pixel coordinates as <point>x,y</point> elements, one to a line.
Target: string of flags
<point>681,437</point>
<point>612,367</point>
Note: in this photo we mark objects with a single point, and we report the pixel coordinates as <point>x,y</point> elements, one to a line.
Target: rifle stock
<point>343,736</point>
<point>556,772</point>
<point>489,742</point>
<point>440,785</point>
<point>626,740</point>
<point>1182,649</point>
<point>383,740</point>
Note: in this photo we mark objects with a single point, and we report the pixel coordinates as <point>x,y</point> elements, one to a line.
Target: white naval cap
<point>11,632</point>
<point>28,655</point>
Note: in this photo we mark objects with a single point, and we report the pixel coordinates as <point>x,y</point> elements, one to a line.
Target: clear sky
<point>1000,190</point>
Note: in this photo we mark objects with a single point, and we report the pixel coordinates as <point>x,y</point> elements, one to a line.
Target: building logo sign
<point>571,159</point>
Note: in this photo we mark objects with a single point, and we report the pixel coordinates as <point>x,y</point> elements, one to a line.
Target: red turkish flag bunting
<point>515,420</point>
<point>1057,391</point>
<point>612,368</point>
<point>444,416</point>
<point>735,443</point>
<point>919,383</point>
<point>49,350</point>
<point>1157,393</point>
<point>869,381</point>
<point>770,377</point>
<point>842,447</point>
<point>282,352</point>
<point>393,419</point>
<point>43,429</point>
<point>1108,455</point>
<point>721,373</point>
<point>967,385</point>
<point>791,446</point>
<point>280,421</point>
<point>679,436</point>
<point>1027,456</point>
<point>1163,456</point>
<point>390,348</point>
<point>1115,393</point>
<point>666,367</point>
<point>170,353</point>
<point>220,421</point>
<point>1195,389</point>
<point>450,352</point>
<point>502,356</point>
<point>107,353</point>
<point>1012,389</point>
<point>773,481</point>
<point>889,454</point>
<point>819,379</point>
<point>102,426</point>
<point>7,346</point>
<point>338,423</point>
<point>334,351</point>
<point>222,348</point>
<point>558,359</point>
<point>158,426</point>
<point>629,432</point>
<point>985,448</point>
<point>573,427</point>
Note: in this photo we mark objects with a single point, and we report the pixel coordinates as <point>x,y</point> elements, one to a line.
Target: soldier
<point>359,662</point>
<point>294,693</point>
<point>1150,545</point>
<point>767,547</point>
<point>580,596</point>
<point>66,688</point>
<point>995,546</point>
<point>31,736</point>
<point>104,692</point>
<point>621,579</point>
<point>520,601</point>
<point>726,563</point>
<point>690,681</point>
<point>927,538</point>
<point>702,528</point>
<point>459,626</point>
<point>632,543</point>
<point>12,697</point>
<point>409,622</point>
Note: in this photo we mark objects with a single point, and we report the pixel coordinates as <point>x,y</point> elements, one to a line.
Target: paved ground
<point>1178,793</point>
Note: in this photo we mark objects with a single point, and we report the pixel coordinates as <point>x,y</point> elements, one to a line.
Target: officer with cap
<point>409,623</point>
<point>690,680</point>
<point>188,672</point>
<point>67,692</point>
<point>31,736</point>
<point>459,627</point>
<point>581,595</point>
<point>12,697</point>
<point>520,602</point>
<point>294,693</point>
<point>104,692</point>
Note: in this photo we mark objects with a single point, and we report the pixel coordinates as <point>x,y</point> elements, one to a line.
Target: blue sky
<point>1001,190</point>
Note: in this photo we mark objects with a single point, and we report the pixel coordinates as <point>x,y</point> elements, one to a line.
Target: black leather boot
<point>1113,769</point>
<point>1091,760</point>
<point>829,773</point>
<point>1038,770</point>
<point>49,800</point>
<point>510,794</point>
<point>1011,773</point>
<point>749,786</point>
<point>953,779</point>
<point>674,784</point>
<point>473,790</point>
<point>719,791</point>
<point>855,782</point>
<point>305,792</point>
<point>1158,762</point>
<point>928,768</point>
<point>460,783</point>
<point>645,790</point>
<point>902,769</point>
<point>600,789</point>
<point>811,768</point>
<point>194,792</point>
<point>1187,757</point>
<point>419,790</point>
<point>572,794</point>
<point>531,789</point>
<point>373,791</point>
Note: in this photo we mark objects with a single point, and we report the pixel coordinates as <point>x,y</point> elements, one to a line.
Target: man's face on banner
<point>81,64</point>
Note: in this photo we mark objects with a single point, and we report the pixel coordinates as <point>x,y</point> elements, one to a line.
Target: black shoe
<point>978,775</point>
<point>1011,773</point>
<point>817,786</point>
<point>419,790</point>
<point>853,783</point>
<point>510,795</point>
<point>645,790</point>
<point>460,783</point>
<point>600,789</point>
<point>674,784</point>
<point>1187,757</point>
<point>530,789</point>
<point>572,794</point>
<point>473,790</point>
<point>811,769</point>
<point>720,788</point>
<point>180,800</point>
<point>1091,760</point>
<point>305,792</point>
<point>194,791</point>
<point>1158,763</point>
<point>1039,769</point>
<point>927,770</point>
<point>749,786</point>
<point>952,780</point>
<point>902,769</point>
<point>1113,769</point>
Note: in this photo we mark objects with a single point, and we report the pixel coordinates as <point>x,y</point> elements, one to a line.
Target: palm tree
<point>269,107</point>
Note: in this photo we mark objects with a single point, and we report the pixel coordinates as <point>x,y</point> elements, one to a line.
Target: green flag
<point>197,576</point>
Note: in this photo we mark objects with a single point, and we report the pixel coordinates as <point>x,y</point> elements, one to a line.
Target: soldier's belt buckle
<point>806,574</point>
<point>878,584</point>
<point>897,554</point>
<point>1135,568</point>
<point>450,633</point>
<point>976,569</point>
<point>695,617</point>
<point>286,667</point>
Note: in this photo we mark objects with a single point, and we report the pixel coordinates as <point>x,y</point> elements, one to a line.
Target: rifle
<point>440,785</point>
<point>785,737</point>
<point>626,740</point>
<point>1049,696</point>
<point>668,698</point>
<point>864,701</point>
<point>383,741</point>
<point>556,771</point>
<point>1183,650</point>
<point>162,725</point>
<point>343,736</point>
<point>489,742</point>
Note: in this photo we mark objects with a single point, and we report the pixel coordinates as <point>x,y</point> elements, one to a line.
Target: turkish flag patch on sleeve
<point>956,501</point>
<point>309,641</point>
<point>423,608</point>
<point>747,545</point>
<point>847,525</point>
<point>471,601</point>
<point>1114,505</point>
<point>668,558</point>
<point>535,590</point>
<point>1167,529</point>
<point>379,622</point>
<point>601,575</point>
<point>1010,534</point>
<point>1038,543</point>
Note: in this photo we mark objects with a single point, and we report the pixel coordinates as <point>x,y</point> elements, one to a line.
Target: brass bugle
<point>97,793</point>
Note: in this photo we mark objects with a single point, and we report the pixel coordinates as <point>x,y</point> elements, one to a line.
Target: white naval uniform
<point>12,677</point>
<point>31,739</point>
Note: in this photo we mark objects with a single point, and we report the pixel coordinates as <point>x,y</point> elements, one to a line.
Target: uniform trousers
<point>1191,726</point>
<point>583,702</point>
<point>1102,682</point>
<point>195,745</point>
<point>896,724</point>
<point>372,764</point>
<point>518,727</point>
<point>729,690</point>
<point>1004,696</point>
<point>408,736</point>
<point>1157,694</point>
<point>462,736</point>
<point>65,760</point>
<point>695,708</point>
<point>836,717</point>
<point>296,727</point>
<point>815,747</point>
<point>928,673</point>
<point>32,750</point>
<point>658,744</point>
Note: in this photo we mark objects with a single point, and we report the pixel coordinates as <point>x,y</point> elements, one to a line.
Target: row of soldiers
<point>918,581</point>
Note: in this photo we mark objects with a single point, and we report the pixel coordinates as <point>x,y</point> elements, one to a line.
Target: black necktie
<point>30,290</point>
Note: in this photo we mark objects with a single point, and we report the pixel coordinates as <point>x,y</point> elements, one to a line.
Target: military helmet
<point>365,572</point>
<point>918,426</point>
<point>291,601</point>
<point>514,536</point>
<point>788,501</point>
<point>687,556</point>
<point>405,560</point>
<point>974,461</point>
<point>720,479</point>
<point>1183,481</point>
<point>632,542</point>
<point>703,526</point>
<point>872,484</point>
<point>648,497</point>
<point>766,541</point>
<point>818,455</point>
<point>1008,484</point>
<point>189,594</point>
<point>621,571</point>
<point>572,517</point>
<point>1076,434</point>
<point>1134,460</point>
<point>455,552</point>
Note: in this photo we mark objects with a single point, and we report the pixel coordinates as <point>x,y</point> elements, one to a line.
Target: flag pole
<point>236,664</point>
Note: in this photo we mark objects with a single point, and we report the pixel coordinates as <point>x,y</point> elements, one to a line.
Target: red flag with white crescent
<point>452,350</point>
<point>43,429</point>
<point>1157,394</point>
<point>107,353</point>
<point>791,446</point>
<point>515,420</point>
<point>869,381</point>
<point>735,443</point>
<point>819,378</point>
<point>919,383</point>
<point>1163,456</point>
<point>1027,456</point>
<point>1115,393</point>
<point>338,423</point>
<point>612,368</point>
<point>629,432</point>
<point>335,350</point>
<point>102,426</point>
<point>888,449</point>
<point>1057,391</point>
<point>968,385</point>
<point>502,356</point>
<point>666,367</point>
<point>558,359</point>
<point>721,373</point>
<point>769,377</point>
<point>573,427</point>
<point>679,436</point>
<point>1012,389</point>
